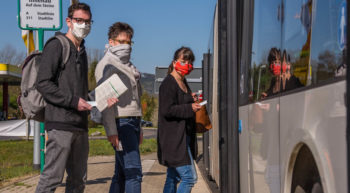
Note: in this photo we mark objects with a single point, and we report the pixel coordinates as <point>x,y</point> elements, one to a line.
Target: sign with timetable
<point>40,14</point>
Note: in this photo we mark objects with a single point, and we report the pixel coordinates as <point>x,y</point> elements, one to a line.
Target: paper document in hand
<point>113,87</point>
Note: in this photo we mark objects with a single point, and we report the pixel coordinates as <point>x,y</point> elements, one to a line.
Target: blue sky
<point>161,26</point>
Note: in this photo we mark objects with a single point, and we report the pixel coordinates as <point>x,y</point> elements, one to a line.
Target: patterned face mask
<point>183,68</point>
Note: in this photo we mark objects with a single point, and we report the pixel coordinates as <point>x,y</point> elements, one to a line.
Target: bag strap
<point>65,48</point>
<point>28,58</point>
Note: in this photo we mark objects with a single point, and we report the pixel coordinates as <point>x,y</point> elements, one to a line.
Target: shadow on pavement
<point>100,163</point>
<point>153,173</point>
<point>95,181</point>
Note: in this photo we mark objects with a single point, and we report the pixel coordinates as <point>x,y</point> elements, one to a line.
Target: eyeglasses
<point>125,42</point>
<point>81,20</point>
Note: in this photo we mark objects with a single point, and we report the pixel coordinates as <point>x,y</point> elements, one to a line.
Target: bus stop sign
<point>40,14</point>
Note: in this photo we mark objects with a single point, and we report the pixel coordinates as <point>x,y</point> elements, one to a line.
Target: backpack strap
<point>65,48</point>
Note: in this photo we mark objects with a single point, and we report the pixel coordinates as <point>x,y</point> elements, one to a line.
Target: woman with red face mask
<point>283,80</point>
<point>274,60</point>
<point>289,81</point>
<point>177,144</point>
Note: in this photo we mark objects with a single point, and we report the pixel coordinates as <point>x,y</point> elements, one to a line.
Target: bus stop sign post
<point>43,16</point>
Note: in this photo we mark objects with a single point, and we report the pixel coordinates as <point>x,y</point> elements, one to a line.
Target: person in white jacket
<point>122,121</point>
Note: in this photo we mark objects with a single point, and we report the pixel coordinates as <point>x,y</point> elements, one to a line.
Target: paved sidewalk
<point>100,171</point>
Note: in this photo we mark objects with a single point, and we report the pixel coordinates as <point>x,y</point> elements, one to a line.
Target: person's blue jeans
<point>186,175</point>
<point>128,171</point>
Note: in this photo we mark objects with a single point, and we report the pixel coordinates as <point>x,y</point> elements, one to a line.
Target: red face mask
<point>276,68</point>
<point>183,68</point>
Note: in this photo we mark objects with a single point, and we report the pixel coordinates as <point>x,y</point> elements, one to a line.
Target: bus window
<point>328,57</point>
<point>266,36</point>
<point>296,39</point>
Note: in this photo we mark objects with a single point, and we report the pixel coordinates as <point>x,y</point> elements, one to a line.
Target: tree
<point>91,75</point>
<point>93,55</point>
<point>149,104</point>
<point>9,55</point>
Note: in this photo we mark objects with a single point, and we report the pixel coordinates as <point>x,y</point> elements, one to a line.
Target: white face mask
<point>80,31</point>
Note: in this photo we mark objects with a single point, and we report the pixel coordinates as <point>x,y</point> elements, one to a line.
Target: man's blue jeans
<point>187,174</point>
<point>128,171</point>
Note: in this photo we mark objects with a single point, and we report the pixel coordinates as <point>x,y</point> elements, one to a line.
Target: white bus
<point>275,80</point>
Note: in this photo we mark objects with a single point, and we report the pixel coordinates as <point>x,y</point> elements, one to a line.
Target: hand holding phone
<point>203,103</point>
<point>92,103</point>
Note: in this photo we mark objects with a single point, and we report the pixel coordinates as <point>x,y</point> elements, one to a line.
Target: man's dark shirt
<point>62,88</point>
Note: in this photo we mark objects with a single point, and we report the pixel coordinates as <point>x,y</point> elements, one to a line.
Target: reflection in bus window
<point>288,80</point>
<point>266,35</point>
<point>297,38</point>
<point>274,61</point>
<point>328,49</point>
<point>283,79</point>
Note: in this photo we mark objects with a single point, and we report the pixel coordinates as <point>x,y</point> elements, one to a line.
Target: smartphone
<point>203,103</point>
<point>120,147</point>
<point>92,103</point>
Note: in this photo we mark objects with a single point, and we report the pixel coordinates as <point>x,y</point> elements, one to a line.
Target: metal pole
<point>42,130</point>
<point>36,156</point>
<point>28,123</point>
<point>36,144</point>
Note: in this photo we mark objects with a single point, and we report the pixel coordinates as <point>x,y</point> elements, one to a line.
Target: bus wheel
<point>317,188</point>
<point>299,189</point>
<point>305,178</point>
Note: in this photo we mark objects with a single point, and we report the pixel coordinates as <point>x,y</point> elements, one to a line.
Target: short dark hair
<point>274,54</point>
<point>285,56</point>
<point>186,54</point>
<point>118,28</point>
<point>78,6</point>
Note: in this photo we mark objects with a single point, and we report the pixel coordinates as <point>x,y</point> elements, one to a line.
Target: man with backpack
<point>65,90</point>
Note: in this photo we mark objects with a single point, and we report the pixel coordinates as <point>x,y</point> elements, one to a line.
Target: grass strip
<point>95,129</point>
<point>16,157</point>
<point>103,147</point>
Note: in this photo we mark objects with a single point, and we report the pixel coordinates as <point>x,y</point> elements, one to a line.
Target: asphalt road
<point>149,133</point>
<point>4,138</point>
